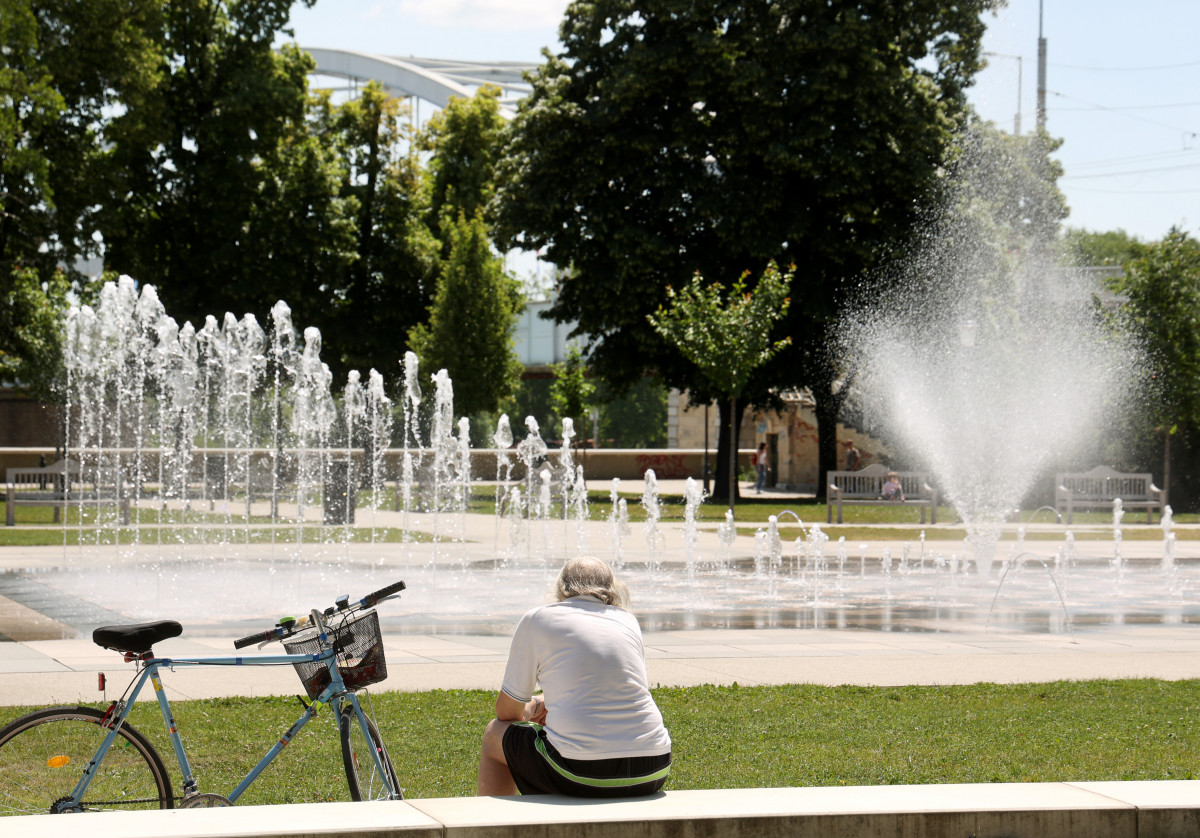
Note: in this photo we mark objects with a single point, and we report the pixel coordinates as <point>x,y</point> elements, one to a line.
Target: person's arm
<point>508,709</point>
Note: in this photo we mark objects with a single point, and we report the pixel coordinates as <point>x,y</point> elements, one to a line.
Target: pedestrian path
<point>65,671</point>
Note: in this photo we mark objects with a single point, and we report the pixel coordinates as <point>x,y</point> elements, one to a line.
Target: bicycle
<point>81,759</point>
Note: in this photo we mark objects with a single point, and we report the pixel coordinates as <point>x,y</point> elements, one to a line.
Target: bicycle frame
<point>333,694</point>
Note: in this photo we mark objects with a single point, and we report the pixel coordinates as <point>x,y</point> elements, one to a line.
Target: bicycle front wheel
<point>363,776</point>
<point>43,756</point>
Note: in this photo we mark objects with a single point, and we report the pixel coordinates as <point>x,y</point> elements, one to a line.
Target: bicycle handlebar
<point>261,637</point>
<point>382,593</point>
<point>281,631</point>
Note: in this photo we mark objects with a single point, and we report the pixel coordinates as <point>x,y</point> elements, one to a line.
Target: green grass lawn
<point>729,737</point>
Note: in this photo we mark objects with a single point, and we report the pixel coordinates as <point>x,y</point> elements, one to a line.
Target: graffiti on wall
<point>666,466</point>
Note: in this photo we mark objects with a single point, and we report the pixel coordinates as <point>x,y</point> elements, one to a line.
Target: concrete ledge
<point>1169,809</point>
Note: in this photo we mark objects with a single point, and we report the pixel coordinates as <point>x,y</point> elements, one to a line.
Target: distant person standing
<point>852,457</point>
<point>760,465</point>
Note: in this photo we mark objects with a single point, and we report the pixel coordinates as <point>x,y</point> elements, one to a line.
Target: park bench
<point>60,485</point>
<point>1098,488</point>
<point>865,488</point>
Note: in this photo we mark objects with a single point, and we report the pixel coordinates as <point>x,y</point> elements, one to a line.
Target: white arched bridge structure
<point>432,80</point>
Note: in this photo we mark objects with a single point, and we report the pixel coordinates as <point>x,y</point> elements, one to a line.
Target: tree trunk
<point>1166,487</point>
<point>721,481</point>
<point>828,406</point>
<point>733,432</point>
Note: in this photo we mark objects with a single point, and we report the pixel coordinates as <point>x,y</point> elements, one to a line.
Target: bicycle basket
<point>359,648</point>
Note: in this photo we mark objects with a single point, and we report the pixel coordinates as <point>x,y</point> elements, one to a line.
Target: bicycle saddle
<point>137,638</point>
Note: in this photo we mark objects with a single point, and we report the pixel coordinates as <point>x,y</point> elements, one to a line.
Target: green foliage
<point>187,154</point>
<point>29,107</point>
<point>531,397</point>
<point>674,137</point>
<point>1161,287</point>
<point>466,138</point>
<point>1094,249</point>
<point>63,66</point>
<point>31,318</point>
<point>571,393</point>
<point>470,328</point>
<point>637,418</point>
<point>387,282</point>
<point>726,339</point>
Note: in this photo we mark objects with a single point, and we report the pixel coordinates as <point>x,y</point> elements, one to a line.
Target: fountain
<point>986,362</point>
<point>987,358</point>
<point>172,409</point>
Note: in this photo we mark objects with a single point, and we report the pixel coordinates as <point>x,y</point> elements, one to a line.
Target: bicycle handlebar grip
<point>261,637</point>
<point>372,598</point>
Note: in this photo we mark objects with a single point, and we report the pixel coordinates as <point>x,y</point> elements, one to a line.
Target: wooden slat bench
<point>60,485</point>
<point>865,488</point>
<point>1098,488</point>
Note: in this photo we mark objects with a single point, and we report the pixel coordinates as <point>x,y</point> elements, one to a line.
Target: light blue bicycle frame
<point>333,694</point>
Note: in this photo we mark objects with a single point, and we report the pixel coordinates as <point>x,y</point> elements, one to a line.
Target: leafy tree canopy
<point>1095,249</point>
<point>466,140</point>
<point>727,340</point>
<point>470,328</point>
<point>571,393</point>
<point>1161,287</point>
<point>387,283</point>
<point>670,137</point>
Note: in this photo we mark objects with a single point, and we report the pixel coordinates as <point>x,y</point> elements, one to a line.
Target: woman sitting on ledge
<point>595,731</point>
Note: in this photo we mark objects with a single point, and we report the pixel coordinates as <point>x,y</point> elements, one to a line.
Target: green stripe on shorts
<point>611,782</point>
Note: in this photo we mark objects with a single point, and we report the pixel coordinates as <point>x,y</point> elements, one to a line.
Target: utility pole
<point>1041,81</point>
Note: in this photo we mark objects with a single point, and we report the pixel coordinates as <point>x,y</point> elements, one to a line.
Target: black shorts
<point>538,768</point>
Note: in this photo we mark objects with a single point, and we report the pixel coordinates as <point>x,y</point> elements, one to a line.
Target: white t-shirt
<point>589,660</point>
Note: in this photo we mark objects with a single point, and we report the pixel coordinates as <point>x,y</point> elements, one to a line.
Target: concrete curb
<point>1169,809</point>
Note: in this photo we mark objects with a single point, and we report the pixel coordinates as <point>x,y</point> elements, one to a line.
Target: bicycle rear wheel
<point>362,775</point>
<point>43,756</point>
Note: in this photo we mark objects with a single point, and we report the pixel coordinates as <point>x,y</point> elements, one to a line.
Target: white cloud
<point>485,14</point>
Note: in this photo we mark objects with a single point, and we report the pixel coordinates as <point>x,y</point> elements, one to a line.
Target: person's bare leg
<point>494,776</point>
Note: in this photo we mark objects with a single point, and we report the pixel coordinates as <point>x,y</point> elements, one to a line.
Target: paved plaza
<point>50,660</point>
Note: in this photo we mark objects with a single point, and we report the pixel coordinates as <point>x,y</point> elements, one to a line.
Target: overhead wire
<point>1125,69</point>
<point>1121,113</point>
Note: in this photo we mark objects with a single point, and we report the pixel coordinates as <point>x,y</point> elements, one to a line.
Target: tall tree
<point>471,322</point>
<point>65,69</point>
<point>1161,293</point>
<point>389,279</point>
<point>189,153</point>
<point>670,137</point>
<point>727,339</point>
<point>466,138</point>
<point>29,108</point>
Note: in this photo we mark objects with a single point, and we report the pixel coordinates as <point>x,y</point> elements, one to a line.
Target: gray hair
<point>589,576</point>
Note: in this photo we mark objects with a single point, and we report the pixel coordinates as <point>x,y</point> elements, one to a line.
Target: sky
<point>1122,82</point>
